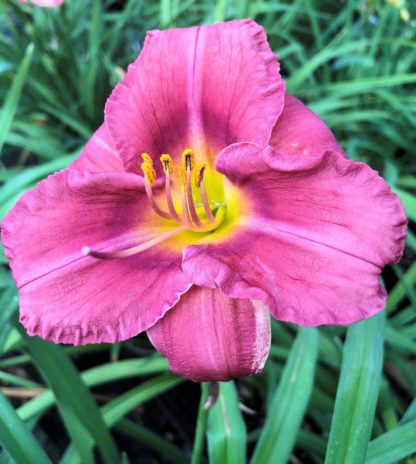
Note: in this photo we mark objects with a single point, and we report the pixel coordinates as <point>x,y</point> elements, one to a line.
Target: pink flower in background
<point>208,198</point>
<point>44,3</point>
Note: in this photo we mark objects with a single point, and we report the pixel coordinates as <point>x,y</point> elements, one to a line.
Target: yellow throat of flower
<point>196,204</point>
<point>193,197</point>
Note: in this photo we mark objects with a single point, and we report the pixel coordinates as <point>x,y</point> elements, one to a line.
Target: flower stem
<point>201,424</point>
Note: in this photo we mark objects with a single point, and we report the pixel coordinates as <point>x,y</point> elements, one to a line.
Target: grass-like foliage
<point>334,395</point>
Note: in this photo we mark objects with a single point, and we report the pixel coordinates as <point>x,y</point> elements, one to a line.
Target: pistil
<point>135,249</point>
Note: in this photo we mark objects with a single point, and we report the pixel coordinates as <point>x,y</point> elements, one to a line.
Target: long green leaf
<point>152,440</point>
<point>290,401</point>
<point>408,201</point>
<point>23,180</point>
<point>10,105</point>
<point>78,409</point>
<point>122,405</point>
<point>16,439</point>
<point>226,430</point>
<point>100,375</point>
<point>8,305</point>
<point>318,59</point>
<point>393,446</point>
<point>201,424</point>
<point>398,292</point>
<point>357,392</point>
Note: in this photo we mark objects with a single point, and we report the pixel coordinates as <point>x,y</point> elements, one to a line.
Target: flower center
<point>185,195</point>
<point>184,201</point>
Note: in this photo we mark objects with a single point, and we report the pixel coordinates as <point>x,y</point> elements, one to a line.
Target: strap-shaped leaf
<point>226,430</point>
<point>76,405</point>
<point>10,105</point>
<point>393,446</point>
<point>290,401</point>
<point>115,410</point>
<point>357,393</point>
<point>16,439</point>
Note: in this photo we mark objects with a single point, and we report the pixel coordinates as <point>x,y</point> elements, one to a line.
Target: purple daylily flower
<point>208,198</point>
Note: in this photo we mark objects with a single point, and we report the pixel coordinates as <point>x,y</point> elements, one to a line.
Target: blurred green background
<point>332,395</point>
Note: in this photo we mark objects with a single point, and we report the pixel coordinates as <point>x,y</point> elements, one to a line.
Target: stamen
<point>188,174</point>
<point>169,167</point>
<point>148,170</point>
<point>219,217</point>
<point>133,250</point>
<point>153,203</point>
<point>199,175</point>
<point>188,163</point>
<point>147,158</point>
<point>190,199</point>
<point>167,163</point>
<point>200,184</point>
<point>149,180</point>
<point>186,216</point>
<point>188,159</point>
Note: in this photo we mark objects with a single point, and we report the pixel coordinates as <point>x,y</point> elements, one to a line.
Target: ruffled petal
<point>202,87</point>
<point>300,131</point>
<point>315,241</point>
<point>208,337</point>
<point>68,297</point>
<point>99,154</point>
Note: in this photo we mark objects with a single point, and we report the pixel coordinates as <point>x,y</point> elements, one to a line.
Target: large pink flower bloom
<point>255,209</point>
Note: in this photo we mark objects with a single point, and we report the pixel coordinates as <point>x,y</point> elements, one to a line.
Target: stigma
<point>187,182</point>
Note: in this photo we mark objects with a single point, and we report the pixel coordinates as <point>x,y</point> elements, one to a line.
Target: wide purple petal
<point>202,88</point>
<point>314,241</point>
<point>99,154</point>
<point>68,297</point>
<point>299,131</point>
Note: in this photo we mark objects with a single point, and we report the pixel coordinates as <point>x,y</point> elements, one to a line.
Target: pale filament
<point>150,196</point>
<point>189,198</point>
<point>205,202</point>
<point>185,209</point>
<point>189,215</point>
<point>135,249</point>
<point>169,199</point>
<point>188,218</point>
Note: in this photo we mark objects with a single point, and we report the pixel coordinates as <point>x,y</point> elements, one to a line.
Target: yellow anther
<point>199,175</point>
<point>188,159</point>
<point>149,173</point>
<point>167,163</point>
<point>147,159</point>
<point>148,170</point>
